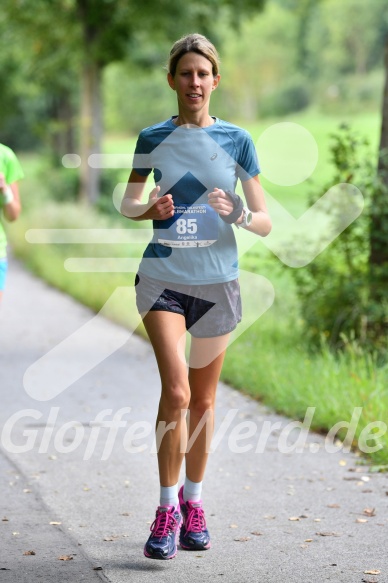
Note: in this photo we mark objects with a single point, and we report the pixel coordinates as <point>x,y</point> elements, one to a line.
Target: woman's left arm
<point>254,195</point>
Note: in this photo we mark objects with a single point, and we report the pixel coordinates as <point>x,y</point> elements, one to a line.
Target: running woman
<point>10,206</point>
<point>188,276</point>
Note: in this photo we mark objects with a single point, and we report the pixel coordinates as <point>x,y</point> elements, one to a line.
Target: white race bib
<point>194,225</point>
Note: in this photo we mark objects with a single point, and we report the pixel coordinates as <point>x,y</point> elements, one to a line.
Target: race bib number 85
<point>193,225</point>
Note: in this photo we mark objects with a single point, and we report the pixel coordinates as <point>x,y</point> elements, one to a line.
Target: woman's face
<point>193,83</point>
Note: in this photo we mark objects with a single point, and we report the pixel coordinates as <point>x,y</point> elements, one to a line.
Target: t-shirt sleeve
<point>142,158</point>
<point>13,170</point>
<point>248,163</point>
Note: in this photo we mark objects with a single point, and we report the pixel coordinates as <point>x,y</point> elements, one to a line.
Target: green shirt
<point>10,167</point>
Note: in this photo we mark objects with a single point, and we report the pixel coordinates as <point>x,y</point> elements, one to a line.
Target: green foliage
<point>334,290</point>
<point>35,76</point>
<point>63,185</point>
<point>295,53</point>
<point>288,98</point>
<point>131,106</point>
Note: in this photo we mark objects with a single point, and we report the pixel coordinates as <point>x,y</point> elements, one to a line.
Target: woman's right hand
<point>161,208</point>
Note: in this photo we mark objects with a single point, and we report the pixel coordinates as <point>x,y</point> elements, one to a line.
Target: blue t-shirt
<point>195,246</point>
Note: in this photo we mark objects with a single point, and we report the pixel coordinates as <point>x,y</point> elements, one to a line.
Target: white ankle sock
<point>192,490</point>
<point>169,495</point>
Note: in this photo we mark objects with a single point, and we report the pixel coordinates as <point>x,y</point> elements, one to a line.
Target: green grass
<point>271,360</point>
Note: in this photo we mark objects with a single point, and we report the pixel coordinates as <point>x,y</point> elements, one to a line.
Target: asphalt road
<point>79,480</point>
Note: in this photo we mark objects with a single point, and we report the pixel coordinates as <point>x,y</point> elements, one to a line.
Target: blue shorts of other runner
<point>3,273</point>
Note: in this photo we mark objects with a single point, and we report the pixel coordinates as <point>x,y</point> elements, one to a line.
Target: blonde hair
<point>196,43</point>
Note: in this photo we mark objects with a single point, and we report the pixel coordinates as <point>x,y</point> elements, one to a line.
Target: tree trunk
<point>62,135</point>
<point>90,131</point>
<point>378,236</point>
<point>379,207</point>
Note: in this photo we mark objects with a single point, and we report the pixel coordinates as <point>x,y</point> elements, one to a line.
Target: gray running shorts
<point>209,310</point>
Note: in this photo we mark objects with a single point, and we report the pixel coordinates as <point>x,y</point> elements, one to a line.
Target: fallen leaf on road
<point>55,523</point>
<point>65,558</point>
<point>242,538</point>
<point>269,516</point>
<point>333,506</point>
<point>27,491</point>
<point>327,533</point>
<point>361,520</point>
<point>233,526</point>
<point>256,533</point>
<point>294,518</point>
<point>308,540</point>
<point>369,512</point>
<point>111,538</point>
<point>29,553</point>
<point>5,519</point>
<point>372,572</point>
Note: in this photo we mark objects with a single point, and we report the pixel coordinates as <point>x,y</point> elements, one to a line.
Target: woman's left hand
<point>220,201</point>
<point>3,184</point>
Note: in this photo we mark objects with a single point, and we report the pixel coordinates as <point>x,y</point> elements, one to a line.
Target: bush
<point>333,290</point>
<point>293,96</point>
<point>62,185</point>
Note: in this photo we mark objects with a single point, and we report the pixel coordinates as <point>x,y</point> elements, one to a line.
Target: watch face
<point>247,217</point>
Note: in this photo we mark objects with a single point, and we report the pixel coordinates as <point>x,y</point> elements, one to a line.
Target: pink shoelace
<point>164,523</point>
<point>195,520</point>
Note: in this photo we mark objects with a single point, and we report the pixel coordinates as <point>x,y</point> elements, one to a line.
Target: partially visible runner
<point>188,277</point>
<point>10,206</point>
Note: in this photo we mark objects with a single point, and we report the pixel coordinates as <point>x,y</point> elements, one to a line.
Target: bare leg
<point>166,333</point>
<point>203,385</point>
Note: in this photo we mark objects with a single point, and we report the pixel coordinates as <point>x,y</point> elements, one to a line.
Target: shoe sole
<point>159,557</point>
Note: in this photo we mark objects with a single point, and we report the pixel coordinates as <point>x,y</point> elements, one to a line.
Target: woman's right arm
<point>11,199</point>
<point>155,209</point>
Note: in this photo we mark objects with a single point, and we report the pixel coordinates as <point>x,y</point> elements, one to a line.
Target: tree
<point>378,235</point>
<point>98,32</point>
<point>38,79</point>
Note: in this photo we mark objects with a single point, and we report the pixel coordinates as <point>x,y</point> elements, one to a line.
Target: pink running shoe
<point>194,535</point>
<point>162,542</point>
